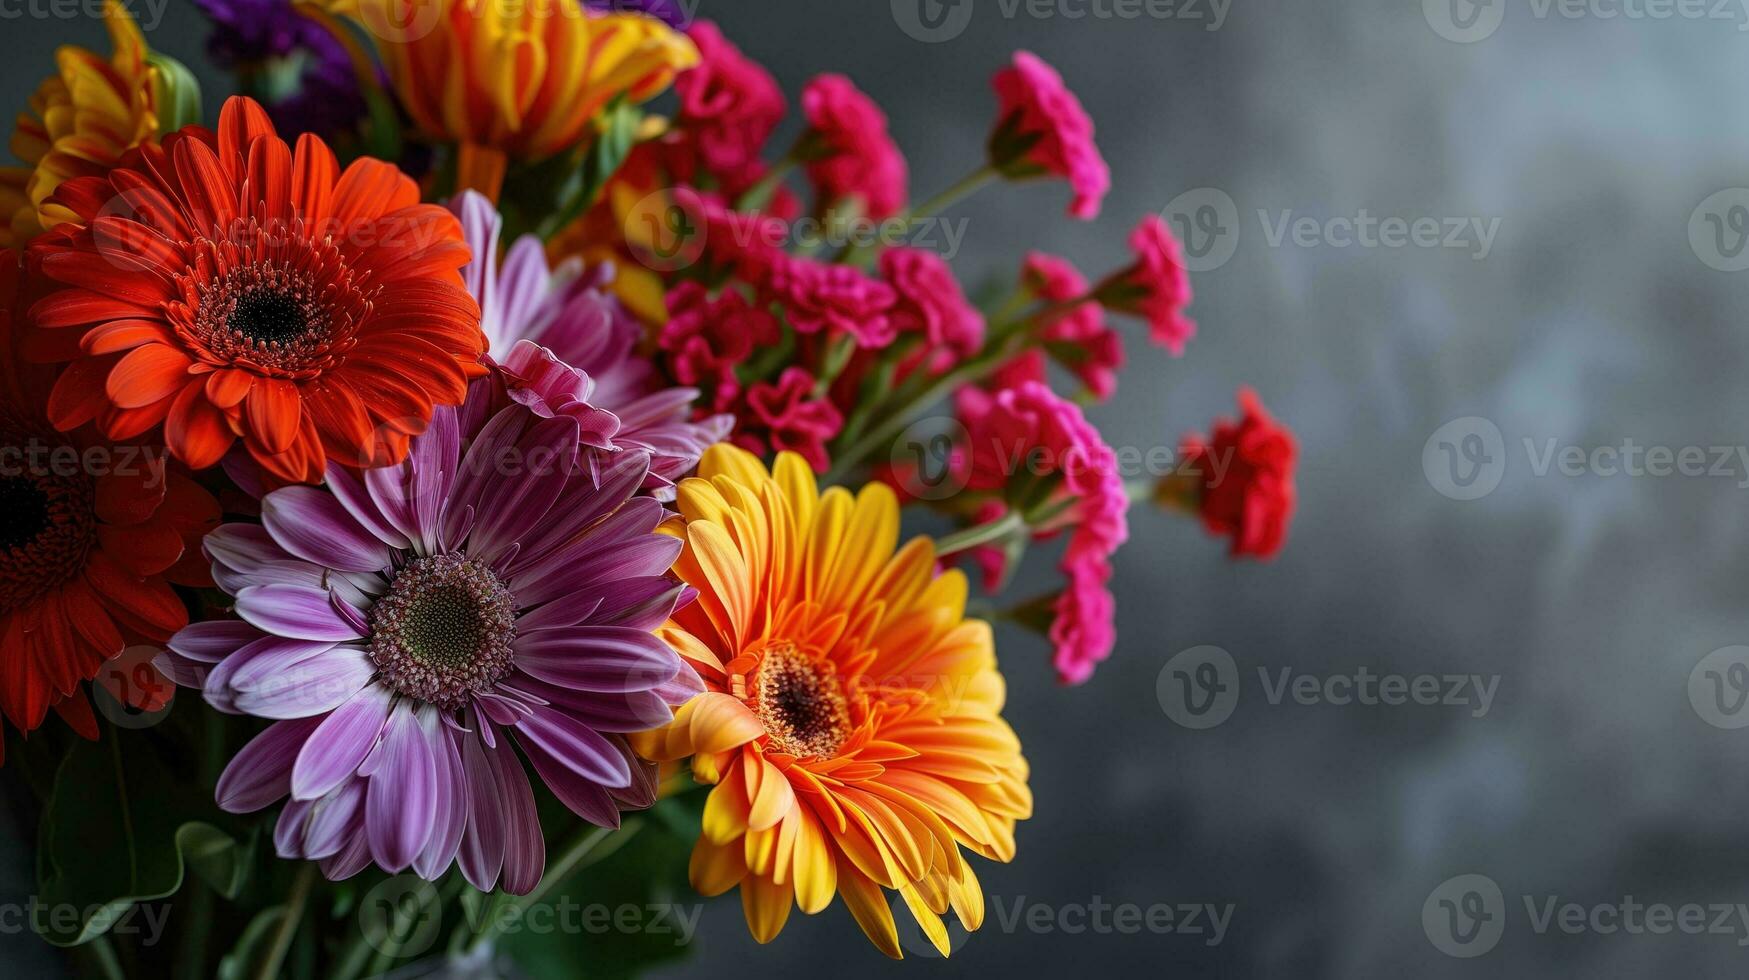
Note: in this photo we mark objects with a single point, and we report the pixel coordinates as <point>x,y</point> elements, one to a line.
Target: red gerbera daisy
<point>92,534</point>
<point>232,288</point>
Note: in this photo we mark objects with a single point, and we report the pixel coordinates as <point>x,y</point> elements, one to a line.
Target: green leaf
<point>177,93</point>
<point>618,133</point>
<point>121,826</point>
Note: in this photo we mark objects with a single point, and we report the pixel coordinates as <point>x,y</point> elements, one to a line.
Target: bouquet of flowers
<point>503,450</point>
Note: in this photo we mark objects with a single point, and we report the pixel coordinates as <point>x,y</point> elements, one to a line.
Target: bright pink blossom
<point>858,158</point>
<point>1036,106</point>
<point>821,297</point>
<point>1080,337</point>
<point>1157,287</point>
<point>787,416</point>
<point>931,303</point>
<point>705,337</point>
<point>729,105</point>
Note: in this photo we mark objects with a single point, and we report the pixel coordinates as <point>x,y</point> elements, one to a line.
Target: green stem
<point>980,534</point>
<point>755,197</point>
<point>587,845</point>
<point>288,923</point>
<point>959,189</point>
<point>837,357</point>
<point>103,951</point>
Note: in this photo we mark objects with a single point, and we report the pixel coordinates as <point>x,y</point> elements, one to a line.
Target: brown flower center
<point>801,702</point>
<point>269,299</point>
<point>443,631</point>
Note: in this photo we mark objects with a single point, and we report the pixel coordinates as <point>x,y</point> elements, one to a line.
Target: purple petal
<point>261,772</point>
<point>579,569</point>
<point>389,490</point>
<point>242,547</point>
<point>452,815</point>
<point>350,490</point>
<point>350,861</point>
<point>433,459</point>
<point>582,505</point>
<point>637,603</point>
<point>525,850</point>
<point>261,662</point>
<point>335,820</point>
<point>638,711</point>
<point>399,806</point>
<point>312,687</point>
<point>584,797</point>
<point>515,502</point>
<point>597,658</point>
<point>482,848</point>
<point>315,526</point>
<point>295,611</point>
<point>288,833</point>
<point>214,640</point>
<point>339,745</point>
<point>584,750</point>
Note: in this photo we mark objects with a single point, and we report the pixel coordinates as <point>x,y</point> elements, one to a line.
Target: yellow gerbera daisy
<point>852,716</point>
<point>81,120</point>
<point>516,79</point>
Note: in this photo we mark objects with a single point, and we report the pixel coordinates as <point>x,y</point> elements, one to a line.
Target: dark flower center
<point>801,702</point>
<point>48,518</point>
<point>269,317</point>
<point>443,631</point>
<point>24,511</point>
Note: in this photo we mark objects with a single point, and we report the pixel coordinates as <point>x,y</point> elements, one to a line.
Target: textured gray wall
<point>1591,598</point>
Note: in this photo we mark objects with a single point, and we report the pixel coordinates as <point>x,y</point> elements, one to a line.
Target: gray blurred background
<point>1589,599</point>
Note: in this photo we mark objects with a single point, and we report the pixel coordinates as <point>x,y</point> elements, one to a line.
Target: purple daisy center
<point>443,631</point>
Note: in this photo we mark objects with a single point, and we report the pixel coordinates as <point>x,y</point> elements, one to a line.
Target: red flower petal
<point>198,433</point>
<point>147,375</point>
<point>273,409</point>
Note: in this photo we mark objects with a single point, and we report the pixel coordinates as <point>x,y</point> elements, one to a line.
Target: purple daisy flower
<point>412,629</point>
<point>568,347</point>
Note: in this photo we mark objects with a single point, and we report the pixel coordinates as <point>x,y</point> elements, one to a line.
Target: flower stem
<point>959,189</point>
<point>980,534</point>
<point>288,923</point>
<point>584,850</point>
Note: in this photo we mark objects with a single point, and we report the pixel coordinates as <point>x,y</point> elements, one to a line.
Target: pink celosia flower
<point>1156,287</point>
<point>821,297</point>
<point>1041,117</point>
<point>857,157</point>
<point>1083,629</point>
<point>931,303</point>
<point>728,105</point>
<point>787,416</point>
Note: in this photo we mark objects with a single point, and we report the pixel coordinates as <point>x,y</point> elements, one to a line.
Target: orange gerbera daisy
<point>516,78</point>
<point>852,716</point>
<point>91,537</point>
<point>233,289</point>
<point>81,120</point>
